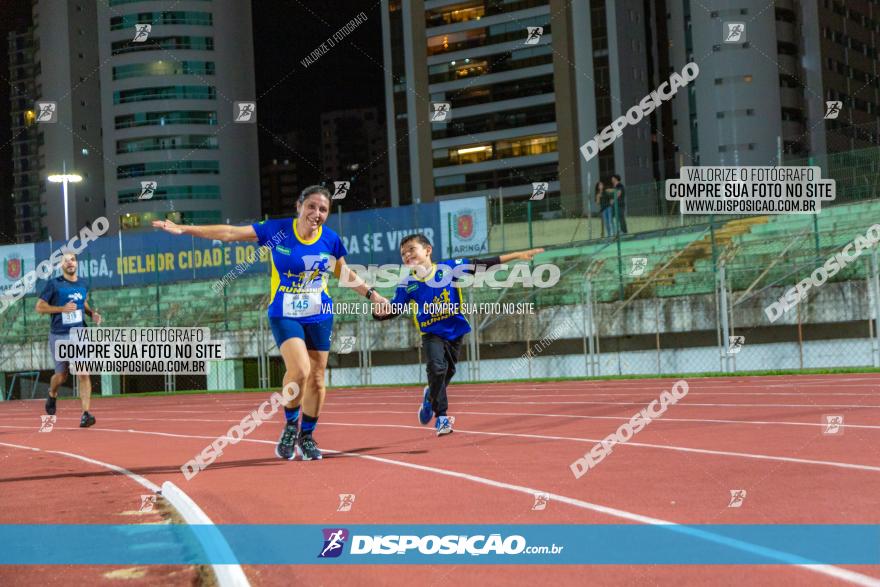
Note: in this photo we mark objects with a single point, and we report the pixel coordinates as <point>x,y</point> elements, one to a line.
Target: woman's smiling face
<point>313,211</point>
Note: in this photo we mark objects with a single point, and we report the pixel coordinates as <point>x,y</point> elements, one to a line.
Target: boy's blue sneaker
<point>425,410</point>
<point>444,426</point>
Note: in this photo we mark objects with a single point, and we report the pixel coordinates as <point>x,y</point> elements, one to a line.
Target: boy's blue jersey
<point>59,292</point>
<point>445,318</point>
<point>300,270</point>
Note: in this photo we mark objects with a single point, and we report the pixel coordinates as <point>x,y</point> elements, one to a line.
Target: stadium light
<point>64,178</point>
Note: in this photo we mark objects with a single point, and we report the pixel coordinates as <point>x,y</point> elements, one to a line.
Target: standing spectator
<point>603,199</point>
<point>620,202</point>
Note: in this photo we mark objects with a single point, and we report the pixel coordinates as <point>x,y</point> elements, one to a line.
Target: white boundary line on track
<point>228,575</point>
<point>785,558</point>
<point>706,451</point>
<point>369,402</point>
<point>640,444</point>
<point>530,414</point>
<point>621,418</point>
<point>133,476</point>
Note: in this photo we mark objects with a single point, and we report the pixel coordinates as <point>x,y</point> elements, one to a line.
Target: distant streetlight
<point>64,178</point>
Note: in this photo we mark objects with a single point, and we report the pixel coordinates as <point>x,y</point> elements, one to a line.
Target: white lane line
<point>133,476</point>
<point>328,412</point>
<point>228,575</point>
<point>785,558</point>
<point>619,418</point>
<point>680,404</point>
<point>706,451</point>
<point>631,443</point>
<point>372,402</point>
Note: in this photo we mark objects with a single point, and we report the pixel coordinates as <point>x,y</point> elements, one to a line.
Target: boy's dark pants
<point>441,355</point>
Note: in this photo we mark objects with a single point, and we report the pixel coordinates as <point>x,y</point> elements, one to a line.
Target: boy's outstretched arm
<point>527,255</point>
<point>516,255</point>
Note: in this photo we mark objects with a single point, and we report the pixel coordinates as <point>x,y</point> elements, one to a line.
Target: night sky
<point>291,97</point>
<point>350,75</point>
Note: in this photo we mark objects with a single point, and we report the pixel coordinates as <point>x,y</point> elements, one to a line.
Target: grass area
<point>702,375</point>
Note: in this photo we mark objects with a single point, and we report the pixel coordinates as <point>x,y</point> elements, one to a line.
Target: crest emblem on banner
<point>12,267</point>
<point>464,225</point>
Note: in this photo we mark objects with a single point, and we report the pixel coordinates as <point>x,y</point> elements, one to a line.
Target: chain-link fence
<point>701,296</point>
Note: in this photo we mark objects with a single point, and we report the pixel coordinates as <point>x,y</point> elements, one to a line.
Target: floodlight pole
<point>64,190</point>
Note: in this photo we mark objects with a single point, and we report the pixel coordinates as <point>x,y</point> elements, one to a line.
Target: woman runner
<point>303,253</point>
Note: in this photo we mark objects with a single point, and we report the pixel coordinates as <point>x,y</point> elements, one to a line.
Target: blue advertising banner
<point>373,236</point>
<point>431,544</point>
<point>151,257</point>
<point>157,257</point>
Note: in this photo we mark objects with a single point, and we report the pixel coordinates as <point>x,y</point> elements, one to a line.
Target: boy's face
<point>415,253</point>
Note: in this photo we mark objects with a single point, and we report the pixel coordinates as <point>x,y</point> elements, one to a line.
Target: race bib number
<point>301,305</point>
<point>74,317</point>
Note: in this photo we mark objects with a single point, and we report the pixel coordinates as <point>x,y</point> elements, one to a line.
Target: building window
<point>166,118</point>
<point>167,143</point>
<point>167,168</point>
<point>165,93</point>
<point>158,18</point>
<point>163,68</point>
<point>164,44</point>
<point>181,192</point>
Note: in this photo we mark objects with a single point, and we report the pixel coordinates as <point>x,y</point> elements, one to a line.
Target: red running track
<point>764,435</point>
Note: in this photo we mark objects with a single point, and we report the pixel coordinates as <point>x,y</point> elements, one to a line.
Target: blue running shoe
<point>443,425</point>
<point>425,410</point>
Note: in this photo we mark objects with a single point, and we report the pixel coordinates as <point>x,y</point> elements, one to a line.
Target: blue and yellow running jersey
<point>300,270</point>
<point>438,307</point>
